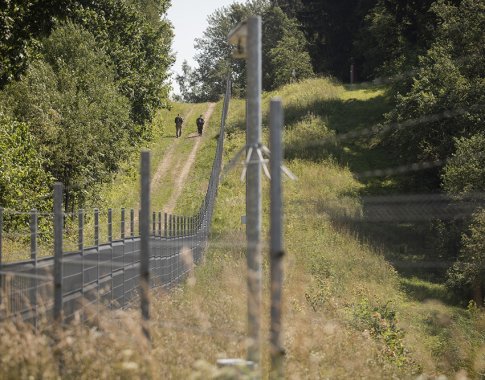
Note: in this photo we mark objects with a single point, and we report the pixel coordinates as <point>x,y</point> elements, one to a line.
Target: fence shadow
<point>415,245</point>
<point>337,117</point>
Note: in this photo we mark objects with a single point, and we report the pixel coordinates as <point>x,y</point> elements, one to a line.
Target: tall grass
<point>346,313</point>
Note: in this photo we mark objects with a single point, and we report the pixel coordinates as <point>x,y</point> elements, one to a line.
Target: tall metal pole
<point>253,186</point>
<point>145,242</point>
<point>276,239</point>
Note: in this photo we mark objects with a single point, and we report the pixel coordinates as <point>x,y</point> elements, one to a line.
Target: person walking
<point>200,124</point>
<point>178,125</point>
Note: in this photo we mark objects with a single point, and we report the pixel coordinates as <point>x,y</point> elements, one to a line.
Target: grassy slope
<point>346,312</point>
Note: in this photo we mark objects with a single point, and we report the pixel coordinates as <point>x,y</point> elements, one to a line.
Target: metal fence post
<point>159,261</point>
<point>145,242</point>
<point>154,223</point>
<point>110,225</point>
<point>132,223</point>
<point>1,236</point>
<point>132,235</point>
<point>80,243</point>
<point>179,228</point>
<point>58,224</point>
<point>165,224</point>
<point>253,187</point>
<point>96,243</point>
<point>110,240</point>
<point>33,235</point>
<point>1,254</point>
<point>276,239</point>
<point>96,227</point>
<point>33,256</point>
<point>170,242</point>
<point>122,222</point>
<point>159,224</point>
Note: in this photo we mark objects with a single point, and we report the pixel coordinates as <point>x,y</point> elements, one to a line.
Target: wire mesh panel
<point>101,253</point>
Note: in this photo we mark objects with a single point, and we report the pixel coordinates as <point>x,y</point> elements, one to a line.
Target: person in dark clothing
<point>200,124</point>
<point>178,125</point>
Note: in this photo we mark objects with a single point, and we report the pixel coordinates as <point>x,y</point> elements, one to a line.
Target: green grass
<point>343,297</point>
<point>347,312</point>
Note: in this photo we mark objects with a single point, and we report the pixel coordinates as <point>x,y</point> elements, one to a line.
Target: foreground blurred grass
<point>347,313</point>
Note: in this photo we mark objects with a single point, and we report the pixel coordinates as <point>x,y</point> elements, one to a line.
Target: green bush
<point>23,182</point>
<point>448,86</point>
<point>71,103</point>
<point>381,323</point>
<point>468,272</point>
<point>465,170</point>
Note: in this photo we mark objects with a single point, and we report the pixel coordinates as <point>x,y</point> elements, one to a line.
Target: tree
<point>188,84</point>
<point>22,25</point>
<point>133,33</point>
<point>279,35</point>
<point>330,27</point>
<point>448,93</point>
<point>138,41</point>
<point>464,173</point>
<point>79,119</point>
<point>468,272</point>
<point>285,50</point>
<point>24,184</point>
<point>214,52</point>
<point>289,61</point>
<point>448,84</point>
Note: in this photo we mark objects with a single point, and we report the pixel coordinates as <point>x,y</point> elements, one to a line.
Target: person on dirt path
<point>200,124</point>
<point>178,125</point>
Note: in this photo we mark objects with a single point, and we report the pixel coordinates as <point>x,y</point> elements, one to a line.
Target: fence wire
<point>102,266</point>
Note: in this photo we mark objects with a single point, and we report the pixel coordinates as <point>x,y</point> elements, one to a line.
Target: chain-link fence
<point>94,271</point>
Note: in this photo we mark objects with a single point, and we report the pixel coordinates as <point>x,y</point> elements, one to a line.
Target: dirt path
<point>181,175</point>
<point>166,162</point>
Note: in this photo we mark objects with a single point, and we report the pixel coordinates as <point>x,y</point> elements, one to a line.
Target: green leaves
<point>464,172</point>
<point>93,73</point>
<point>71,102</point>
<point>137,40</point>
<point>24,184</point>
<point>284,49</point>
<point>446,80</point>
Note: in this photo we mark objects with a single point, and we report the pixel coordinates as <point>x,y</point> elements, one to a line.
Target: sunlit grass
<point>347,312</point>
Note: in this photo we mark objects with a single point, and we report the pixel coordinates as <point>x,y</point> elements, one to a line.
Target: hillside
<point>348,313</point>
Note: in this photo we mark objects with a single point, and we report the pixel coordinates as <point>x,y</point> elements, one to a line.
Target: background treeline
<point>432,55</point>
<point>284,50</point>
<point>79,84</point>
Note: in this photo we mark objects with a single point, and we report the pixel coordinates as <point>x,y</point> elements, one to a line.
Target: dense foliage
<point>331,29</point>
<point>84,79</point>
<point>284,50</point>
<point>70,100</point>
<point>22,178</point>
<point>433,53</point>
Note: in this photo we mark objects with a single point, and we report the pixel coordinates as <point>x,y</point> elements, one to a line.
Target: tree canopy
<point>284,49</point>
<point>84,79</point>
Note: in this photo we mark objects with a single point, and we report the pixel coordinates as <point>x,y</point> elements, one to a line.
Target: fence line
<point>104,271</point>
